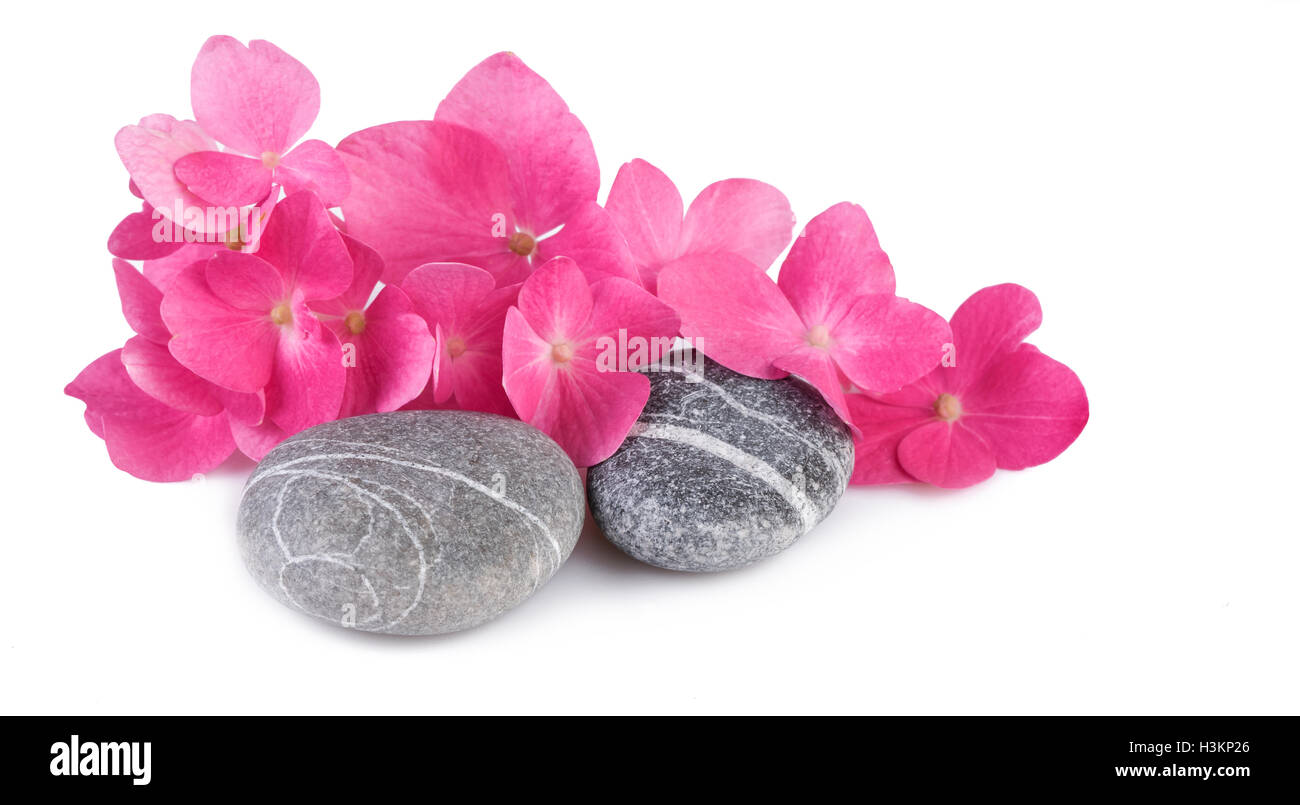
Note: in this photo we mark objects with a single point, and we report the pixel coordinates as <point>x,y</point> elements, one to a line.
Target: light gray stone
<point>412,522</point>
<point>721,469</point>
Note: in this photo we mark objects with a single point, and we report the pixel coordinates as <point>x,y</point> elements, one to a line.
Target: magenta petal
<point>218,341</point>
<point>367,268</point>
<point>880,429</point>
<point>836,259</point>
<point>133,238</point>
<point>153,369</point>
<point>647,209</point>
<point>249,409</point>
<point>815,367</point>
<point>302,243</point>
<point>733,312</point>
<point>622,311</point>
<point>254,99</point>
<point>556,300</point>
<point>255,441</point>
<point>553,164</point>
<point>1027,407</point>
<point>141,302</point>
<point>885,342</point>
<point>990,324</point>
<point>306,386</point>
<point>741,216</point>
<point>314,165</point>
<point>393,357</point>
<point>441,383</point>
<point>163,270</point>
<point>245,281</point>
<point>447,294</point>
<point>145,437</point>
<point>428,192</point>
<point>225,179</point>
<point>946,454</point>
<point>592,239</point>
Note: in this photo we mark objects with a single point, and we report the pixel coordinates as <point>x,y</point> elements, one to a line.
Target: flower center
<point>456,346</point>
<point>947,408</point>
<point>282,314</point>
<point>820,336</point>
<point>270,160</point>
<point>522,244</point>
<point>562,352</point>
<point>356,321</point>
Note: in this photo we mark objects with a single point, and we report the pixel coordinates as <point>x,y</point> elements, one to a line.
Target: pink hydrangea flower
<point>242,321</point>
<point>556,345</point>
<point>387,348</point>
<point>997,403</point>
<point>741,216</point>
<point>832,318</point>
<point>466,312</point>
<point>503,178</point>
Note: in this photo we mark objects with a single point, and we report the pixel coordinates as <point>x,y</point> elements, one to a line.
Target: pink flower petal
<point>307,381</point>
<point>150,156</point>
<point>592,239</point>
<point>163,270</point>
<point>302,243</point>
<point>441,383</point>
<point>393,356</point>
<point>552,162</point>
<point>885,342</point>
<point>733,311</point>
<point>836,259</point>
<point>990,324</point>
<point>224,179</point>
<point>447,294</point>
<point>140,302</point>
<point>1027,407</point>
<point>815,366</point>
<point>153,369</point>
<point>255,441</point>
<point>622,311</point>
<point>880,429</point>
<point>367,268</point>
<point>145,437</point>
<point>648,210</point>
<point>741,216</point>
<point>556,300</point>
<point>254,99</point>
<point>248,409</point>
<point>427,192</point>
<point>946,454</point>
<point>133,238</point>
<point>314,165</point>
<point>245,281</point>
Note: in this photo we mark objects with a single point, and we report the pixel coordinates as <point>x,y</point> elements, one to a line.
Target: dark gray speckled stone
<point>721,470</point>
<point>412,522</point>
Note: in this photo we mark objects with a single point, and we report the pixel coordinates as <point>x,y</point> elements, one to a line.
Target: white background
<point>1135,164</point>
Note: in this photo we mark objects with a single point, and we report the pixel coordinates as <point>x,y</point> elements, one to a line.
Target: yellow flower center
<point>820,336</point>
<point>522,244</point>
<point>947,408</point>
<point>282,314</point>
<point>562,352</point>
<point>270,160</point>
<point>356,321</point>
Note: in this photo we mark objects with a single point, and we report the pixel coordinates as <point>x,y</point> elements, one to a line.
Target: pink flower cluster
<point>470,266</point>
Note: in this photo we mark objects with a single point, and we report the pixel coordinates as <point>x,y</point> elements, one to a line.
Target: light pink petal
<point>741,216</point>
<point>245,281</point>
<point>134,239</point>
<point>885,342</point>
<point>988,325</point>
<point>556,300</point>
<point>255,441</point>
<point>249,409</point>
<point>647,209</point>
<point>815,367</point>
<point>880,429</point>
<point>306,385</point>
<point>302,243</point>
<point>153,369</point>
<point>392,360</point>
<point>592,239</point>
<point>553,164</point>
<point>254,99</point>
<point>162,271</point>
<point>946,454</point>
<point>367,268</point>
<point>440,378</point>
<point>222,343</point>
<point>1027,407</point>
<point>733,312</point>
<point>224,179</point>
<point>314,165</point>
<point>836,259</point>
<point>427,192</point>
<point>140,302</point>
<point>150,157</point>
<point>623,311</point>
<point>145,437</point>
<point>447,294</point>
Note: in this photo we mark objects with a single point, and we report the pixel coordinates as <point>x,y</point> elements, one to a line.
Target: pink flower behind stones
<point>387,347</point>
<point>556,340</point>
<point>242,321</point>
<point>503,178</point>
<point>831,319</point>
<point>466,313</point>
<point>1003,404</point>
<point>742,216</point>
